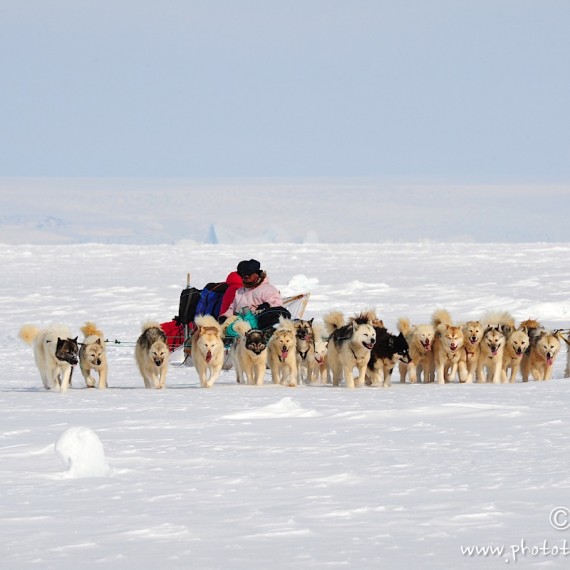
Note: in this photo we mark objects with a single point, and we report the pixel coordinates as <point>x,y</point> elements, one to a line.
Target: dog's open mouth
<point>284,354</point>
<point>426,344</point>
<point>369,345</point>
<point>453,347</point>
<point>208,356</point>
<point>319,359</point>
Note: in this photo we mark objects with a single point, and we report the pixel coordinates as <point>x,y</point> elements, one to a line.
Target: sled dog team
<point>492,349</point>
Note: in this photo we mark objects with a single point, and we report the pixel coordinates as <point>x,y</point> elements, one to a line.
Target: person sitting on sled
<point>257,297</point>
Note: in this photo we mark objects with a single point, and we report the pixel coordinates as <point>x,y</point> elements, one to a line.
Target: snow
<point>82,453</point>
<point>311,477</point>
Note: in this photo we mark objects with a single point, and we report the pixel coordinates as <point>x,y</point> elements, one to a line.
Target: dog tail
<point>285,324</point>
<point>318,331</point>
<point>333,321</point>
<point>404,325</point>
<point>503,319</point>
<point>207,321</point>
<point>241,327</point>
<point>90,329</point>
<point>150,325</point>
<point>441,317</point>
<point>28,333</point>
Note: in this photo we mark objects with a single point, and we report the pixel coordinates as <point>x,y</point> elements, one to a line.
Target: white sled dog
<point>152,355</point>
<point>567,370</point>
<point>447,344</point>
<point>249,354</point>
<point>207,349</point>
<point>420,342</point>
<point>321,365</point>
<point>93,356</point>
<point>55,354</point>
<point>349,346</point>
<point>543,348</point>
<point>282,355</point>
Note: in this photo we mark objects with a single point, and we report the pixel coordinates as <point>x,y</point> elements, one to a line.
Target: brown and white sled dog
<point>249,354</point>
<point>207,349</point>
<point>447,344</point>
<point>420,342</point>
<point>490,362</point>
<point>93,356</point>
<point>543,348</point>
<point>516,345</point>
<point>151,355</point>
<point>472,334</point>
<point>305,338</point>
<point>349,346</point>
<point>282,355</point>
<point>55,354</point>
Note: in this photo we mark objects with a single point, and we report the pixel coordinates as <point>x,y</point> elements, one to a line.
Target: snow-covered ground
<point>241,477</point>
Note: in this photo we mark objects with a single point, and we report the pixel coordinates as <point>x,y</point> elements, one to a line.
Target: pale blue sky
<point>421,91</point>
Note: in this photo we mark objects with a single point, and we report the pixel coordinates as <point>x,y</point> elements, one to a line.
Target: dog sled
<point>194,302</point>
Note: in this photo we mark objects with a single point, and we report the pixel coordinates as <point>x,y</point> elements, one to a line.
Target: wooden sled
<point>182,356</point>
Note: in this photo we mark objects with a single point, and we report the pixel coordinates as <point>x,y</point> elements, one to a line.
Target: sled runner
<point>194,302</point>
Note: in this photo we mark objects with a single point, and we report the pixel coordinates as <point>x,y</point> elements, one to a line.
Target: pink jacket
<point>252,298</point>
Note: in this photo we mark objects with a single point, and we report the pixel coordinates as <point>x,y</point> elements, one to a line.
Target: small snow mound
<point>82,453</point>
<point>285,408</point>
<point>301,283</point>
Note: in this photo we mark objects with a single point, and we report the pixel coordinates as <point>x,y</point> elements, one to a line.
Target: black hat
<point>245,268</point>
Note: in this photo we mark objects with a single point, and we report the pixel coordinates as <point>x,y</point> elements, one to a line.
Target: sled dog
<point>447,344</point>
<point>55,354</point>
<point>472,335</point>
<point>516,344</point>
<point>151,355</point>
<point>387,351</point>
<point>420,342</point>
<point>93,356</point>
<point>490,362</point>
<point>249,354</point>
<point>567,370</point>
<point>305,345</point>
<point>207,349</point>
<point>539,358</point>
<point>349,346</point>
<point>282,355</point>
<point>321,366</point>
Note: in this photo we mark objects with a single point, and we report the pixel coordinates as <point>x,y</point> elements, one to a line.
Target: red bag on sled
<point>174,334</point>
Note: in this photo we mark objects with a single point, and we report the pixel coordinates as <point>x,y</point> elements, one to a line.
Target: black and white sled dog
<point>388,350</point>
<point>151,355</point>
<point>249,354</point>
<point>55,354</point>
<point>349,346</point>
